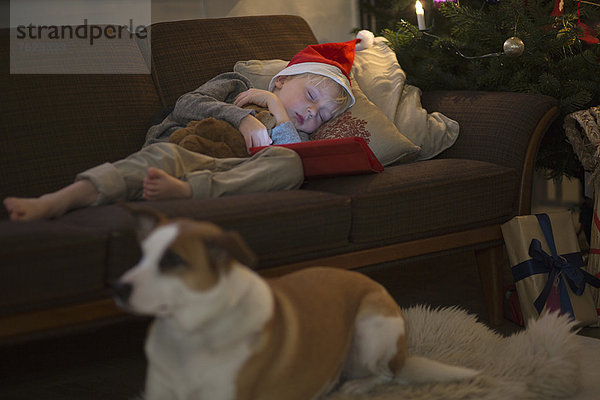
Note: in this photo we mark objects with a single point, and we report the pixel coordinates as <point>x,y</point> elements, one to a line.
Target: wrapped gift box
<point>546,261</point>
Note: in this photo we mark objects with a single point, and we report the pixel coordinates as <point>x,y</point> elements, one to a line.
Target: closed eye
<point>325,116</point>
<point>170,261</point>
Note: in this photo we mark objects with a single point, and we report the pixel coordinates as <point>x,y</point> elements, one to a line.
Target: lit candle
<point>420,16</point>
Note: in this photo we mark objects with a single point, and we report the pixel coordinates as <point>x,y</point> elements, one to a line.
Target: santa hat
<point>333,60</point>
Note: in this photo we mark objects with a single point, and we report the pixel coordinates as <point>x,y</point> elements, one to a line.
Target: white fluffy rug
<point>541,362</point>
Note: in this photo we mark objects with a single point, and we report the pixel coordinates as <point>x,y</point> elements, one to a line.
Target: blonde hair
<point>342,99</point>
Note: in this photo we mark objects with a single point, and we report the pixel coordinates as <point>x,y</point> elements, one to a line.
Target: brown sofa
<point>56,274</point>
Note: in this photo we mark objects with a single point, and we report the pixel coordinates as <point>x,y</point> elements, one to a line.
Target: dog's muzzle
<point>122,292</point>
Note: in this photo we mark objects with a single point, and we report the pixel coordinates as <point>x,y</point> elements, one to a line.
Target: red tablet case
<point>334,157</point>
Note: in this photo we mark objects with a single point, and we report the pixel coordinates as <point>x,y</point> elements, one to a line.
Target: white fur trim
<point>366,40</point>
<point>318,69</point>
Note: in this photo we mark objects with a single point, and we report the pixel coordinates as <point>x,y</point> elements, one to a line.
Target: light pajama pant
<point>273,168</point>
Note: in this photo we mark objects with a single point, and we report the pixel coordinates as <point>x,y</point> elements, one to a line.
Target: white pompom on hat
<point>333,60</point>
<point>364,40</point>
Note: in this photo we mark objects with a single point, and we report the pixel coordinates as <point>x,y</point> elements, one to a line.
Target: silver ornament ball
<point>513,47</point>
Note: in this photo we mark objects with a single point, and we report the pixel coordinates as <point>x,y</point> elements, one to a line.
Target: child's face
<point>308,105</point>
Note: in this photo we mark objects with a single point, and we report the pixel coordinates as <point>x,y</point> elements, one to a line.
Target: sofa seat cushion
<point>45,261</point>
<point>434,197</point>
<point>276,225</point>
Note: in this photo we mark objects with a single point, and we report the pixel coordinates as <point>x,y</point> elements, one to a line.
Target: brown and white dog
<point>221,332</point>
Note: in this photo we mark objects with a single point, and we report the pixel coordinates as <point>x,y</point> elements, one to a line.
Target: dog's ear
<point>235,246</point>
<point>146,219</point>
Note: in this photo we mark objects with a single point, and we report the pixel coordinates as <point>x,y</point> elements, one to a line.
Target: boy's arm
<point>213,99</point>
<point>263,98</point>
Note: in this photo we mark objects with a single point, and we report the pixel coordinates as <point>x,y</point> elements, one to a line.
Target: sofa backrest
<point>55,125</point>
<point>185,54</point>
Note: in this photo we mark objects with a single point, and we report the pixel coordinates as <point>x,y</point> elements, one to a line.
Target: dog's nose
<point>122,291</point>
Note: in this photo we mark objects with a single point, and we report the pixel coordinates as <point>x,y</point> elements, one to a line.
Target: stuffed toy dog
<point>217,138</point>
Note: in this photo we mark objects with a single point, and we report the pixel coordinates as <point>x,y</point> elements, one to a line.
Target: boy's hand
<point>255,96</point>
<point>254,132</point>
<point>263,98</point>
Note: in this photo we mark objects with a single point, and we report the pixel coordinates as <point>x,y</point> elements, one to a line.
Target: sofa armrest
<point>496,127</point>
<point>504,128</point>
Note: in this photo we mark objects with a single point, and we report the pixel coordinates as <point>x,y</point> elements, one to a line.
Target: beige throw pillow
<point>363,119</point>
<point>260,72</point>
<point>383,81</point>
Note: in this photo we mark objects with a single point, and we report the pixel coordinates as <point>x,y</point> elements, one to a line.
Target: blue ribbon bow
<point>566,267</point>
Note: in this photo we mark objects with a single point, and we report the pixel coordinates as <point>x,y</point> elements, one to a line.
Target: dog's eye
<point>171,260</point>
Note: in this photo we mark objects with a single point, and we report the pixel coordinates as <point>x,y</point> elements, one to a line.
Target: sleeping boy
<point>312,89</point>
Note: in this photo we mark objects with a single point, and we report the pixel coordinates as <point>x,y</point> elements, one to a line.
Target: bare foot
<point>28,209</point>
<point>158,185</point>
<point>79,194</point>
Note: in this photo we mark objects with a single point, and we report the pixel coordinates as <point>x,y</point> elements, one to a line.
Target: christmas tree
<point>538,46</point>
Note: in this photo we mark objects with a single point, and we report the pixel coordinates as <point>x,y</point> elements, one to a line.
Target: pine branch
<point>555,61</point>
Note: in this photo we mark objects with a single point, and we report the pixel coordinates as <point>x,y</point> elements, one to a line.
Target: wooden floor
<point>108,362</point>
